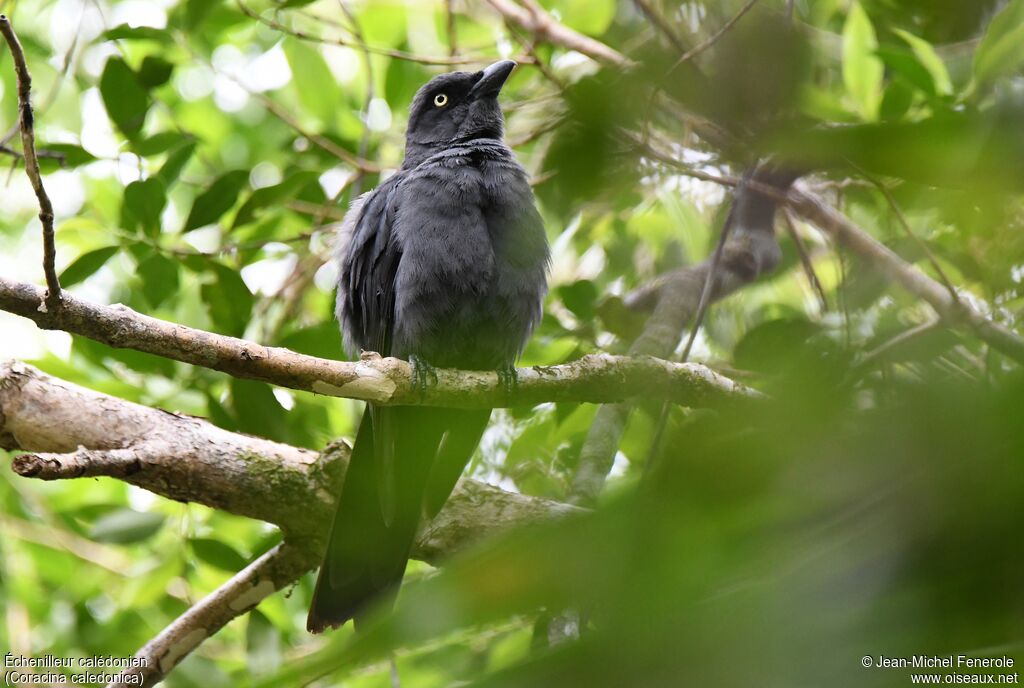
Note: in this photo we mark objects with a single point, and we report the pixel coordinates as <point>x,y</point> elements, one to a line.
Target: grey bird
<point>446,266</point>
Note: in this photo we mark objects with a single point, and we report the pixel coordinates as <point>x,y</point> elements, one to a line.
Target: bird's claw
<point>508,378</point>
<point>424,375</point>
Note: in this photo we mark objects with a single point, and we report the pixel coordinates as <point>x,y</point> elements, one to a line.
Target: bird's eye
<point>440,100</point>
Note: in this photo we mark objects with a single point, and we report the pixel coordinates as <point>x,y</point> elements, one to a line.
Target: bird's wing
<point>367,302</point>
<point>367,308</point>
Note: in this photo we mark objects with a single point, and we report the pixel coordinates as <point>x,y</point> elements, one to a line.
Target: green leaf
<point>1002,48</point>
<point>262,644</point>
<point>586,16</point>
<point>218,554</point>
<point>136,33</point>
<point>196,11</point>
<point>123,96</point>
<point>271,195</point>
<point>899,97</point>
<point>322,339</point>
<point>404,78</point>
<point>862,70</point>
<point>313,81</point>
<point>159,278</point>
<point>385,23</point>
<point>257,410</point>
<point>175,163</point>
<point>216,200</point>
<point>580,297</point>
<point>774,346</point>
<point>903,63</point>
<point>155,71</point>
<point>930,60</point>
<point>145,591</point>
<point>228,300</point>
<point>125,526</point>
<point>73,156</point>
<point>86,264</point>
<point>144,201</point>
<point>160,143</point>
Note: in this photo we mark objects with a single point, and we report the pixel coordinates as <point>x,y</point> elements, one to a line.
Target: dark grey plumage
<point>445,265</point>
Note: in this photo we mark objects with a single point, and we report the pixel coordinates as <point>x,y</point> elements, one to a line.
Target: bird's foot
<point>424,375</point>
<point>508,378</point>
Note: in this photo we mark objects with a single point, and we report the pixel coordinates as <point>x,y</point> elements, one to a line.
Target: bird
<point>445,265</point>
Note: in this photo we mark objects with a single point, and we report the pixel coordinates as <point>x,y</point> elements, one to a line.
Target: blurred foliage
<point>872,507</point>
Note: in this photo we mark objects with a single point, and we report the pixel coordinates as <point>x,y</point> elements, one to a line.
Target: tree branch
<point>450,60</point>
<point>954,310</point>
<point>715,37</point>
<point>963,310</point>
<point>661,25</point>
<point>533,18</point>
<point>70,432</point>
<point>750,251</point>
<point>387,381</point>
<point>805,260</point>
<point>83,463</point>
<point>76,432</point>
<point>28,144</point>
<point>274,570</point>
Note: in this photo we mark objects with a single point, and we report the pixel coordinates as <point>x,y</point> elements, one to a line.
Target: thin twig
<point>805,259</point>
<point>834,224</point>
<point>702,309</point>
<point>540,130</point>
<point>716,260</point>
<point>282,114</point>
<point>41,154</point>
<point>899,340</point>
<point>530,46</point>
<point>28,142</point>
<point>453,37</point>
<point>715,37</point>
<point>533,18</point>
<point>320,211</point>
<point>320,141</point>
<point>388,52</point>
<point>266,575</point>
<point>956,312</point>
<point>364,140</point>
<point>661,24</point>
<point>929,254</point>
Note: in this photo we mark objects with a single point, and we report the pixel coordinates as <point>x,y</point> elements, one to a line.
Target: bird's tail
<point>369,544</point>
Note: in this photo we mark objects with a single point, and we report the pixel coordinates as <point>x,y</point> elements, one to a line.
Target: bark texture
<point>70,432</point>
<point>384,381</point>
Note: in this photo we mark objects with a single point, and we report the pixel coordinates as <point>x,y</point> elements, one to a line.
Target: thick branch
<point>28,144</point>
<point>74,432</point>
<point>597,378</point>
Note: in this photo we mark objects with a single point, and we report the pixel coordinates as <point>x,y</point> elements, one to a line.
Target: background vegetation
<point>199,151</point>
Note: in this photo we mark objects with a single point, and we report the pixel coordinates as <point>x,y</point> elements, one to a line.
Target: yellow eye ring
<point>440,100</point>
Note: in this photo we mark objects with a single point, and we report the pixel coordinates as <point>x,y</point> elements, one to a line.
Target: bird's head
<point>456,107</point>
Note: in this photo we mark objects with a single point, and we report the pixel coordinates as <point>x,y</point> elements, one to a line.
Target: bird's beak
<point>492,79</point>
